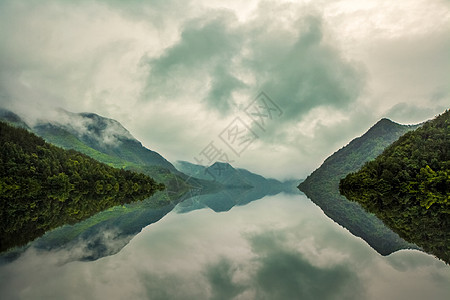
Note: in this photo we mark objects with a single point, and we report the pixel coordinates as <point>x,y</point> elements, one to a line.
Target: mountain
<point>12,119</point>
<point>102,134</point>
<point>240,186</point>
<point>107,141</point>
<point>408,186</point>
<point>220,172</point>
<point>226,174</point>
<point>109,231</point>
<point>103,234</point>
<point>223,200</point>
<point>43,186</point>
<point>112,146</point>
<point>322,186</point>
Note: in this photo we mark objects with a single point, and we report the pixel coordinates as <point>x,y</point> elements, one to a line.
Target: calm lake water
<point>277,247</point>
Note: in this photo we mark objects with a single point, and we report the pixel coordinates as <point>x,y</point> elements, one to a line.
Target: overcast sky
<point>180,75</point>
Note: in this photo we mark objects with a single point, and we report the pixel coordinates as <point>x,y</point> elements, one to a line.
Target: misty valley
<point>96,201</point>
<point>224,150</point>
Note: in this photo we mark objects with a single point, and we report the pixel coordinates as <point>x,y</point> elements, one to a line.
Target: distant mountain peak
<point>383,128</point>
<point>383,121</point>
<point>322,186</point>
<point>226,174</point>
<point>221,164</point>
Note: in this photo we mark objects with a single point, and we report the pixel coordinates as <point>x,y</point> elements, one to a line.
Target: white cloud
<point>375,59</point>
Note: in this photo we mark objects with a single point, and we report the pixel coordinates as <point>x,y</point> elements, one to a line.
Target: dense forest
<point>125,154</point>
<point>408,186</point>
<point>43,186</point>
<point>322,186</point>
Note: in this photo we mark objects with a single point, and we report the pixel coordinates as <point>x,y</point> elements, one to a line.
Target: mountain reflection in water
<point>278,247</point>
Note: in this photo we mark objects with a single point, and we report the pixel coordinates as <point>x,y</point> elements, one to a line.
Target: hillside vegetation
<point>408,186</point>
<point>43,186</point>
<point>322,186</point>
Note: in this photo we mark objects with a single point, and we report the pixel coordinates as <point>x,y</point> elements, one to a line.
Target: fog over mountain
<point>229,105</point>
<point>178,74</point>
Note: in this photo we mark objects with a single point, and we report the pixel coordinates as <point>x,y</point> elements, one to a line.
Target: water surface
<point>278,247</point>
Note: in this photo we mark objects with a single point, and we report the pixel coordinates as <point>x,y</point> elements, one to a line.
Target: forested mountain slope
<point>322,186</point>
<point>102,134</point>
<point>408,186</point>
<point>107,141</point>
<point>43,186</point>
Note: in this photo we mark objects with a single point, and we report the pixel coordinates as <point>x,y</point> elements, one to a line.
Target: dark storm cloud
<point>305,72</point>
<point>222,86</point>
<point>204,51</point>
<point>185,69</point>
<point>295,65</point>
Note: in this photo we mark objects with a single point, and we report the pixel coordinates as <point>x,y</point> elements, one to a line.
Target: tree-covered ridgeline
<point>408,186</point>
<point>43,186</point>
<point>322,186</point>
